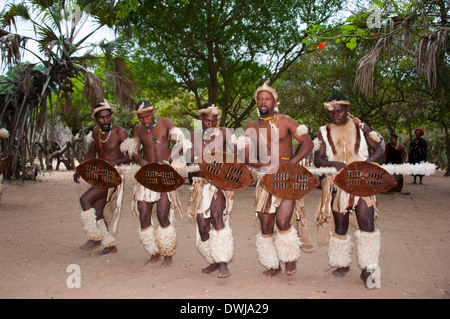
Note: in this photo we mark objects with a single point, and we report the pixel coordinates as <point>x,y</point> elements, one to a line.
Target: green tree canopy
<point>220,50</point>
<point>64,55</point>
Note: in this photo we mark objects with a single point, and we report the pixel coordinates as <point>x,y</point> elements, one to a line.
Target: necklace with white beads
<point>101,132</point>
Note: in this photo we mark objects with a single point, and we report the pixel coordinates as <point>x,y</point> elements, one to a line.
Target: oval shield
<point>364,179</point>
<point>99,173</point>
<point>225,171</point>
<point>290,181</point>
<point>159,177</point>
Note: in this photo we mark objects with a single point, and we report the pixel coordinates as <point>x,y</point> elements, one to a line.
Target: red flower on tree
<point>322,45</point>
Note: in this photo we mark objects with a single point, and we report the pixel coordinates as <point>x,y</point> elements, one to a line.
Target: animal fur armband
<point>317,143</point>
<point>301,130</point>
<point>375,136</point>
<point>129,146</point>
<point>242,142</point>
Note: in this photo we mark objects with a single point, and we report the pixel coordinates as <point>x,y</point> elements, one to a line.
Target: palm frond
<point>92,90</point>
<point>429,54</point>
<point>107,47</point>
<point>11,12</point>
<point>123,84</point>
<point>47,37</point>
<point>366,67</point>
<point>11,46</point>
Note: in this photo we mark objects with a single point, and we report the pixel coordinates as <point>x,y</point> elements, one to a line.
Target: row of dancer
<point>344,140</point>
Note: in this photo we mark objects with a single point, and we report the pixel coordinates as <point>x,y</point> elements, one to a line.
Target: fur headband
<point>266,87</point>
<point>104,106</point>
<point>330,105</point>
<point>142,108</point>
<point>213,109</point>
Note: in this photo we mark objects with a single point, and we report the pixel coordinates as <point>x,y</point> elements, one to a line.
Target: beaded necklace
<point>100,131</point>
<point>151,134</point>
<point>101,142</point>
<point>259,126</point>
<point>265,118</point>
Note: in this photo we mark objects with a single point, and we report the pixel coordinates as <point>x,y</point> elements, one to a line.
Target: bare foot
<point>364,275</point>
<point>108,250</point>
<point>91,244</point>
<point>223,271</point>
<point>153,259</point>
<point>167,262</point>
<point>290,268</point>
<point>271,272</point>
<point>211,268</point>
<point>340,272</point>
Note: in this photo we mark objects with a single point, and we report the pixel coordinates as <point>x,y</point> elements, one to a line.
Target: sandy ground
<point>40,232</point>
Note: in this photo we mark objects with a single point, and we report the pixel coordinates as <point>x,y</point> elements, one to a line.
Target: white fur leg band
<point>107,239</point>
<point>221,245</point>
<point>266,251</point>
<point>204,249</point>
<point>89,222</point>
<point>166,240</point>
<point>340,250</point>
<point>288,245</point>
<point>368,247</point>
<point>147,237</point>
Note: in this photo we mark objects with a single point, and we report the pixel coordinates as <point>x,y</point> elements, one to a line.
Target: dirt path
<point>40,232</point>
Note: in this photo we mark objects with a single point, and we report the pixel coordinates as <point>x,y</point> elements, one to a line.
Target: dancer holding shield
<point>343,141</point>
<point>106,145</point>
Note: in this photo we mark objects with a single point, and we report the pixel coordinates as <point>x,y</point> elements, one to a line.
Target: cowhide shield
<point>4,164</point>
<point>99,173</point>
<point>364,179</point>
<point>225,171</point>
<point>290,181</point>
<point>159,177</point>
